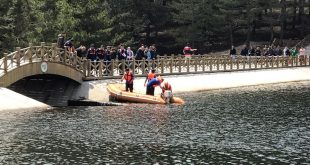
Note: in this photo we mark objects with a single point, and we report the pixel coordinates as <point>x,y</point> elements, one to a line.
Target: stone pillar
<point>54,51</point>
<point>30,53</point>
<point>5,62</point>
<point>100,68</point>
<point>42,50</point>
<point>17,56</point>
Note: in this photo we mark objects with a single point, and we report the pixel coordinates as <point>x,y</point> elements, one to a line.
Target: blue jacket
<point>154,81</point>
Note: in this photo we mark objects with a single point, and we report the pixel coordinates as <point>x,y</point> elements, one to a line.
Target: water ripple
<point>251,125</point>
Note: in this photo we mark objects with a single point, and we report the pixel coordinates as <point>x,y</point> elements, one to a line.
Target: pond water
<point>268,124</point>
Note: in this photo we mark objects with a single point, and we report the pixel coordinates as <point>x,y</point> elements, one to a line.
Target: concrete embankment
<point>96,90</point>
<point>10,100</point>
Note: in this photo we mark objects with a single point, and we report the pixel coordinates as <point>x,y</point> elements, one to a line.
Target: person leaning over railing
<point>81,51</point>
<point>69,45</point>
<point>101,53</point>
<point>121,55</point>
<point>91,53</point>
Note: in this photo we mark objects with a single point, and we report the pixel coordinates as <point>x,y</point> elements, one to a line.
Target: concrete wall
<point>10,100</point>
<point>49,89</point>
<point>96,90</point>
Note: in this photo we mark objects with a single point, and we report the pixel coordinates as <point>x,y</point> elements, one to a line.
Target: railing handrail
<point>173,64</point>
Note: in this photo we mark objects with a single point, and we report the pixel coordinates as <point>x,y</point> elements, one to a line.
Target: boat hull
<point>118,93</point>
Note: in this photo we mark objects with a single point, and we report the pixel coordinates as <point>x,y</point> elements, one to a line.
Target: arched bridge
<point>38,60</point>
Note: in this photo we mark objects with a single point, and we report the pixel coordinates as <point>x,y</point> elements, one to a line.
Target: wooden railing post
<point>162,65</point>
<point>171,65</point>
<point>54,48</point>
<point>187,64</point>
<point>238,62</point>
<point>30,53</point>
<point>100,68</point>
<point>42,50</point>
<point>203,63</point>
<point>112,68</point>
<point>250,62</point>
<point>133,65</point>
<point>17,56</point>
<point>123,66</point>
<point>179,62</point>
<point>5,62</point>
<point>255,62</point>
<point>196,68</point>
<point>89,68</point>
<point>85,67</point>
<point>211,64</point>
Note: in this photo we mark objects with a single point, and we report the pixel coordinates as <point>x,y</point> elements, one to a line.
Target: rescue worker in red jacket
<point>150,76</point>
<point>129,77</point>
<point>165,86</point>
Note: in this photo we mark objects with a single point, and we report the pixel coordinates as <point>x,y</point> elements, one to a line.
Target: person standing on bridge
<point>129,77</point>
<point>188,51</point>
<point>233,53</point>
<point>69,45</point>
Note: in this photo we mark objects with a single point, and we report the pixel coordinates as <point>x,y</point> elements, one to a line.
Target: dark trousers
<point>150,91</point>
<point>129,87</point>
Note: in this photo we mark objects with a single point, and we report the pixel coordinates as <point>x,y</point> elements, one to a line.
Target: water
<point>267,124</point>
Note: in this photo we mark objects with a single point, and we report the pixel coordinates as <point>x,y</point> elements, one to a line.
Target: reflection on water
<point>250,125</point>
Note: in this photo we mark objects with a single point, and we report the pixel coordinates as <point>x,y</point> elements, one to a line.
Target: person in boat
<point>166,92</point>
<point>129,77</point>
<point>150,76</point>
<point>154,82</point>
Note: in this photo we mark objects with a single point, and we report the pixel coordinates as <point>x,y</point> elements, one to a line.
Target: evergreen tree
<point>5,26</point>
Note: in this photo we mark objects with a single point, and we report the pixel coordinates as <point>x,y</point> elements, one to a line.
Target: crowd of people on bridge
<point>269,51</point>
<point>108,53</point>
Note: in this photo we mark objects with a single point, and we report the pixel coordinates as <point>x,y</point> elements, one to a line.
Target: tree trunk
<point>248,24</point>
<point>271,32</point>
<point>301,10</point>
<point>283,14</point>
<point>294,14</point>
<point>231,34</point>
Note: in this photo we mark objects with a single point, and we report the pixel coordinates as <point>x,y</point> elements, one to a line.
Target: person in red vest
<point>188,51</point>
<point>166,93</point>
<point>129,77</point>
<point>165,86</point>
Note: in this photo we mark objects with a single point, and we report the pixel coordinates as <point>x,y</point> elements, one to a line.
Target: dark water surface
<point>267,124</point>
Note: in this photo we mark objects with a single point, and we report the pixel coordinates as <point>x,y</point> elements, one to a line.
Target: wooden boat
<point>118,93</point>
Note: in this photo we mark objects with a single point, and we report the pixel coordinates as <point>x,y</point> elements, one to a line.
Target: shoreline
<point>97,90</point>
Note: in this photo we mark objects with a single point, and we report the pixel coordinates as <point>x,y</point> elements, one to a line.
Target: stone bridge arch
<point>40,60</point>
<point>40,68</point>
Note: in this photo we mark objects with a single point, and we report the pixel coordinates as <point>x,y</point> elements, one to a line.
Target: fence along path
<point>164,65</point>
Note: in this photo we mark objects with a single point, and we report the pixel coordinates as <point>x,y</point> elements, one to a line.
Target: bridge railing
<point>174,64</point>
<point>197,64</point>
